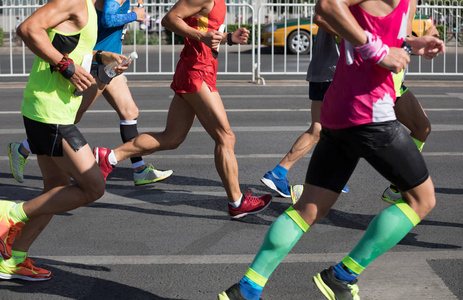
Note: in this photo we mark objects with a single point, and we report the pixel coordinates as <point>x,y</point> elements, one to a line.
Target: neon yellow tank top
<point>49,97</point>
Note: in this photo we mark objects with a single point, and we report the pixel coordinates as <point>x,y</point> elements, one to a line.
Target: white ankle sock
<point>236,203</point>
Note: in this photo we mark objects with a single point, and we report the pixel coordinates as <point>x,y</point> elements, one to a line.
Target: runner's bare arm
<point>336,14</point>
<point>173,21</point>
<point>65,14</point>
<point>54,13</point>
<point>317,19</point>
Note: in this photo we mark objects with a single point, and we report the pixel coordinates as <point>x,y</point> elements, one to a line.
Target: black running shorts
<point>47,139</point>
<point>317,90</point>
<point>386,146</point>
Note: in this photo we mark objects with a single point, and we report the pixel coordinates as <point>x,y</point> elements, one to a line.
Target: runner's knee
<point>227,139</point>
<point>94,190</point>
<point>172,142</point>
<point>129,113</point>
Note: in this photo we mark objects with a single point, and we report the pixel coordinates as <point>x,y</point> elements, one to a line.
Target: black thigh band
<point>97,71</point>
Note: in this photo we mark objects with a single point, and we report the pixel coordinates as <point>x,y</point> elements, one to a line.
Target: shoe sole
<point>26,278</point>
<point>155,180</point>
<point>272,186</point>
<point>223,296</point>
<point>11,165</point>
<point>240,216</point>
<point>324,289</point>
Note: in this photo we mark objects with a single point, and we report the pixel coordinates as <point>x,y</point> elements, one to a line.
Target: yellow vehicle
<point>297,34</point>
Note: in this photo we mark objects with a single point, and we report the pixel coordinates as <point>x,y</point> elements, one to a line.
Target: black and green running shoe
<point>233,293</point>
<point>335,289</point>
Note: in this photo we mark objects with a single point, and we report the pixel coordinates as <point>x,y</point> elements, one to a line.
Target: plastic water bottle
<point>109,69</point>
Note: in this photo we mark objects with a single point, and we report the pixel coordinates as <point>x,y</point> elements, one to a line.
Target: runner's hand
<point>81,79</point>
<point>396,60</point>
<point>212,39</point>
<point>426,46</point>
<point>109,57</point>
<point>141,14</point>
<point>240,36</point>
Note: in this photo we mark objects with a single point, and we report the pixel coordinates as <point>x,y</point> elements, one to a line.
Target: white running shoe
<point>17,161</point>
<point>391,195</point>
<point>296,192</point>
<point>150,175</point>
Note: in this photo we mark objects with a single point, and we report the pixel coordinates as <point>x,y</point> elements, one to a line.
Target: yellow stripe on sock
<point>352,265</point>
<point>292,213</point>
<point>256,277</point>
<point>409,212</point>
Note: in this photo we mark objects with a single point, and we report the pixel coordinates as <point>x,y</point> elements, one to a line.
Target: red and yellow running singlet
<point>196,64</point>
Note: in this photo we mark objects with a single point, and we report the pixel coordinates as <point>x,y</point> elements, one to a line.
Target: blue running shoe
<point>279,185</point>
<point>345,189</point>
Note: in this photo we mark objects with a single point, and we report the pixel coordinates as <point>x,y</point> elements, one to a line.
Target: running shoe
<point>345,189</point>
<point>25,271</point>
<point>150,175</point>
<point>279,185</point>
<point>233,293</point>
<point>101,156</point>
<point>296,192</point>
<point>391,194</point>
<point>17,161</point>
<point>249,205</point>
<point>335,289</point>
<point>9,230</point>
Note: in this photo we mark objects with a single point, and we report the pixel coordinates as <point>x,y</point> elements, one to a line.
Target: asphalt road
<point>174,239</point>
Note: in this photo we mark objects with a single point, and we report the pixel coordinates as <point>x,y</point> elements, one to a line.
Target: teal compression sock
<point>280,172</point>
<point>279,240</point>
<point>387,229</point>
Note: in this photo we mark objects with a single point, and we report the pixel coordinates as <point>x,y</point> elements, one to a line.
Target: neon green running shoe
<point>296,192</point>
<point>150,175</point>
<point>335,289</point>
<point>17,161</point>
<point>391,194</point>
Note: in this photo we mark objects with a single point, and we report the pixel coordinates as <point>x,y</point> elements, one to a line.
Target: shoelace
<point>251,198</point>
<point>28,264</point>
<point>14,232</point>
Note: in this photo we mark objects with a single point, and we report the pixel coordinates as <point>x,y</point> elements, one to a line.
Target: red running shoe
<point>101,156</point>
<point>249,205</point>
<point>25,271</point>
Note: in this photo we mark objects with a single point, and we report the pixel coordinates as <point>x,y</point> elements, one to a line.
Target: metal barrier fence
<point>281,36</point>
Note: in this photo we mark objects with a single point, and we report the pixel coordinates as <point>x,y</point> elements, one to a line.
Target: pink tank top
<point>363,92</point>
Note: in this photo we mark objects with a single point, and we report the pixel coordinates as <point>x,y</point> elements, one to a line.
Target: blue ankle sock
<point>342,274</point>
<point>249,289</point>
<point>280,172</point>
